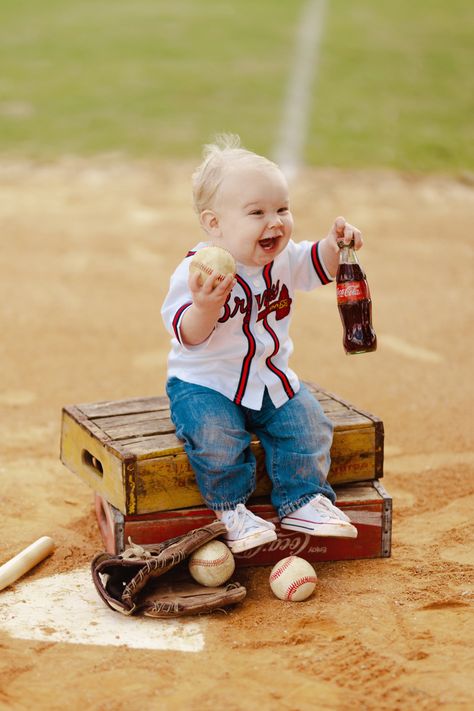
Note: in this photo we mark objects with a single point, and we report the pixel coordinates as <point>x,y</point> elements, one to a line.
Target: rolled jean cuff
<point>227,505</point>
<point>287,509</point>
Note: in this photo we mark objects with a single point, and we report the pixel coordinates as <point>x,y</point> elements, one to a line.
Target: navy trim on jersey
<point>176,319</point>
<point>318,265</point>
<point>245,370</point>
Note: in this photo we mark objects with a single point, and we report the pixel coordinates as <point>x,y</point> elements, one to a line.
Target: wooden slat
<point>107,478</point>
<point>131,418</point>
<point>346,420</point>
<point>363,503</point>
<point>145,467</point>
<point>124,407</point>
<point>83,421</point>
<point>332,406</point>
<point>149,447</point>
<point>135,426</point>
<point>354,409</point>
<point>336,410</point>
<point>323,394</point>
<point>142,406</point>
<point>347,442</point>
<point>354,493</point>
<point>153,438</point>
<point>168,482</point>
<point>316,389</point>
<point>139,430</point>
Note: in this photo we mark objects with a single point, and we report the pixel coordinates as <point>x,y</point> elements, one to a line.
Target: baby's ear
<point>210,223</point>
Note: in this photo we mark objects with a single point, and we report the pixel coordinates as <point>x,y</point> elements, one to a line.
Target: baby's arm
<point>329,250</point>
<point>200,319</point>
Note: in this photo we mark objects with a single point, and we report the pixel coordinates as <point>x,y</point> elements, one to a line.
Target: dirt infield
<point>87,249</point>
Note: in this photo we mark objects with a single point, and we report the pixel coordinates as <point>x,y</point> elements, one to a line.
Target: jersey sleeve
<point>307,266</point>
<point>177,300</point>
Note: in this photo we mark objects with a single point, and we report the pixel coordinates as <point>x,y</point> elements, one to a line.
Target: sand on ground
<point>87,247</point>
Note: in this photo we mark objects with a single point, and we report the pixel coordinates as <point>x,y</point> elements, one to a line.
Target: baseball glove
<point>133,582</point>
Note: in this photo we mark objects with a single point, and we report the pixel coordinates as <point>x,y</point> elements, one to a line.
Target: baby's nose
<point>275,221</point>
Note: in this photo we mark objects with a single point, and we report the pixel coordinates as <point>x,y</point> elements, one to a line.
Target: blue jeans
<point>296,439</point>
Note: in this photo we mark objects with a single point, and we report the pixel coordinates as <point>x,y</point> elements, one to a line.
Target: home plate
<point>67,608</point>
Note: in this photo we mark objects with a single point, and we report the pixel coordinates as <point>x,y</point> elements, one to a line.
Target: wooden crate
<point>128,452</point>
<point>367,504</point>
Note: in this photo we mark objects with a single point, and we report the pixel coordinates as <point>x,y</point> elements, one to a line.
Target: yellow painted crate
<point>128,452</point>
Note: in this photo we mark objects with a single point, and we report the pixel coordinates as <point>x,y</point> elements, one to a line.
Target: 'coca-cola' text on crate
<point>367,504</point>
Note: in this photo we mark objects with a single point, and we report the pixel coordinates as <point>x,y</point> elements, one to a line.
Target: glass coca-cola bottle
<point>354,303</point>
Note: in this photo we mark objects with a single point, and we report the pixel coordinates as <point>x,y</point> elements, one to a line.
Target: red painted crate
<point>367,504</point>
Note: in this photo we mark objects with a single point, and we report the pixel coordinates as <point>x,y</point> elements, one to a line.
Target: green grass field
<point>396,86</point>
<point>151,78</point>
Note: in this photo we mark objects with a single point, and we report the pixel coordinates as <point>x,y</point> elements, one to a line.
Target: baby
<point>228,373</point>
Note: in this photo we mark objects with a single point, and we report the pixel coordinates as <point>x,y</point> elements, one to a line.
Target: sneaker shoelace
<point>244,520</point>
<point>330,511</point>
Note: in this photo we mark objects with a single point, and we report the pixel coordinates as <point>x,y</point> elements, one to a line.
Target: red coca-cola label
<point>286,544</point>
<point>351,291</point>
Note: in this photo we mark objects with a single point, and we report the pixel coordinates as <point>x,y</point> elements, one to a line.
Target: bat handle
<point>25,560</point>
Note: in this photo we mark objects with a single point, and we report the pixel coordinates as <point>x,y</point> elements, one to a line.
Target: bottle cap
<point>341,243</point>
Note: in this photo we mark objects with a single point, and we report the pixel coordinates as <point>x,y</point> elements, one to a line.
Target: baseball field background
<point>393,86</point>
<point>104,108</point>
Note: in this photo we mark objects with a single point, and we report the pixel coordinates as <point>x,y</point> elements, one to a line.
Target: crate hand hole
<point>92,462</point>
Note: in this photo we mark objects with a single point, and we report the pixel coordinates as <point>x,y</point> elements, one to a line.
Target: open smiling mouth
<point>268,243</point>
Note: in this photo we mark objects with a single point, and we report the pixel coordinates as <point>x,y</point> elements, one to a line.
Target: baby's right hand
<point>206,297</point>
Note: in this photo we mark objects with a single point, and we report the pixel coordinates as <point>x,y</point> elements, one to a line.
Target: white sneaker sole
<point>256,539</point>
<point>328,530</point>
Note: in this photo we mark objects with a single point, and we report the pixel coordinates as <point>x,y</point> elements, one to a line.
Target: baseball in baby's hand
<point>212,259</point>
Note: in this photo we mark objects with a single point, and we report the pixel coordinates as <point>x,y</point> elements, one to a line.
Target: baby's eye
<point>282,210</point>
<point>257,212</point>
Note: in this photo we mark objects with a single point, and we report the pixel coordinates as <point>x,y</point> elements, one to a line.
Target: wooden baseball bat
<point>25,560</point>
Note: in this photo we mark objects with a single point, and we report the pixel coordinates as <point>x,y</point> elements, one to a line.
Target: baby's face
<point>253,215</point>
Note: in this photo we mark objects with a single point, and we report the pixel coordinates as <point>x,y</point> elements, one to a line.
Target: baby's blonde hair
<point>218,158</point>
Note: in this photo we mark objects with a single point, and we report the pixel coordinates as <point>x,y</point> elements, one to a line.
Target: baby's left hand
<point>342,231</point>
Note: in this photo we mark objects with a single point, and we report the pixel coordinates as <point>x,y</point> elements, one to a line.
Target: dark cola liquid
<point>355,309</point>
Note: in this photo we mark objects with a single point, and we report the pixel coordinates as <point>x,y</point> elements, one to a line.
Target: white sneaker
<point>336,511</point>
<point>320,517</point>
<point>245,530</point>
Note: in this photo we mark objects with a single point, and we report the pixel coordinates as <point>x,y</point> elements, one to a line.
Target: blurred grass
<point>158,78</point>
<point>145,77</point>
<point>396,86</point>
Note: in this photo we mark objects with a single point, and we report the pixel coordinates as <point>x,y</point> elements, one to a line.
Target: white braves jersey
<point>250,346</point>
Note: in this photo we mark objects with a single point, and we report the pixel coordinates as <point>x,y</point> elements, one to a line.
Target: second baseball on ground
<point>293,578</point>
<point>212,258</point>
<point>212,564</point>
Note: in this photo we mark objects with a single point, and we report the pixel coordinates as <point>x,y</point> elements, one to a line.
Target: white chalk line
<point>403,348</point>
<point>296,110</point>
<point>66,608</point>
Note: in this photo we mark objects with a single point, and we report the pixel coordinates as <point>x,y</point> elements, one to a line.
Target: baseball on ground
<point>293,579</point>
<point>209,259</point>
<point>212,564</point>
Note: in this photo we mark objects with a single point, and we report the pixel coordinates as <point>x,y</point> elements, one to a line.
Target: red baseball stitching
<point>296,584</point>
<point>279,571</point>
<point>206,268</point>
<point>210,563</point>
